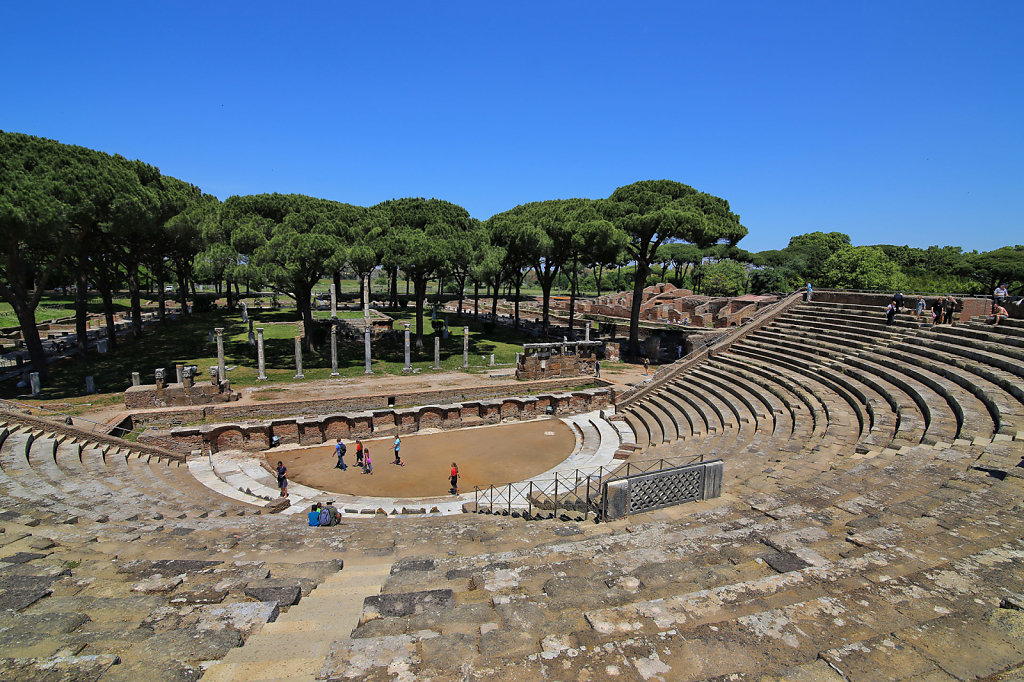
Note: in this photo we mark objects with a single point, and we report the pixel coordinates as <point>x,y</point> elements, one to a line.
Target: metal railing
<point>578,491</point>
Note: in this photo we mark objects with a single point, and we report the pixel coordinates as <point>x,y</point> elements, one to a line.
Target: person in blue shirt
<point>339,450</point>
<point>398,446</point>
<point>810,291</point>
<point>314,515</point>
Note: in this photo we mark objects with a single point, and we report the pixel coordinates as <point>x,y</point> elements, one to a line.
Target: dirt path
<point>486,455</point>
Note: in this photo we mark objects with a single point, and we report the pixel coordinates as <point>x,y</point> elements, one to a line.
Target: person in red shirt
<point>455,478</point>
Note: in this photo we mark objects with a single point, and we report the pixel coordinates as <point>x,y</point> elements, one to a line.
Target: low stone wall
<point>967,306</point>
<point>341,403</point>
<point>255,436</point>
<point>159,447</point>
<point>177,395</point>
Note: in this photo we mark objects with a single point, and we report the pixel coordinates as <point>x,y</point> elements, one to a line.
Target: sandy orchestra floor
<point>485,455</point>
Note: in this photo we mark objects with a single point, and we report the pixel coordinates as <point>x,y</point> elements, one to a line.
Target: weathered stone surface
<point>369,658</point>
<point>206,595</point>
<point>783,562</point>
<point>244,617</point>
<point>568,586</point>
<point>40,543</point>
<point>22,557</point>
<point>457,573</point>
<point>448,654</point>
<point>961,647</point>
<point>190,645</point>
<point>412,565</point>
<point>238,575</point>
<point>406,603</point>
<point>20,591</point>
<point>284,593</point>
<point>157,583</point>
<point>57,668</point>
<point>144,568</point>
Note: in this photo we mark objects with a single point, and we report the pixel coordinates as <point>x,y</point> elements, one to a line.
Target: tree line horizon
<point>70,215</point>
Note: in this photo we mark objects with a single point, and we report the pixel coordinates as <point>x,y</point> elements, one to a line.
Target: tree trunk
<point>302,295</point>
<point>545,306</point>
<point>160,296</point>
<point>420,290</point>
<point>337,285</point>
<point>394,288</point>
<point>573,279</point>
<point>634,312</point>
<point>494,300</point>
<point>407,285</point>
<point>108,314</point>
<point>228,293</point>
<point>598,272</point>
<point>476,300</point>
<point>132,271</point>
<point>82,308</point>
<point>30,333</point>
<point>519,283</point>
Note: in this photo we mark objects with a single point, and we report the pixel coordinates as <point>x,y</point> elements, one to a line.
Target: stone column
<point>366,296</point>
<point>90,385</point>
<point>34,384</point>
<point>366,350</point>
<point>408,364</point>
<point>261,362</point>
<point>334,350</point>
<point>437,352</point>
<point>136,379</point>
<point>492,359</point>
<point>298,358</point>
<point>586,331</point>
<point>178,370</point>
<point>334,302</point>
<point>220,353</point>
<point>465,346</point>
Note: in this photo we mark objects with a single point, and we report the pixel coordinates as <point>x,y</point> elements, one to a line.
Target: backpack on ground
<point>325,518</point>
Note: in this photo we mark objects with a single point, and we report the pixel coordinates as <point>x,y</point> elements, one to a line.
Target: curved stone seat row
<point>256,436</point>
<point>845,378</point>
<point>894,557</point>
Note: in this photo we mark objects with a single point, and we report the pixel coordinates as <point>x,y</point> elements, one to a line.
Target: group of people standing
<point>943,308</point>
<point>363,460</point>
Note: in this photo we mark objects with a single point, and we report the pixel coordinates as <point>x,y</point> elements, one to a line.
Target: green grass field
<point>186,341</point>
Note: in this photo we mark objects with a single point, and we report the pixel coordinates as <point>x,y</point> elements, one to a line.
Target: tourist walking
<point>948,308</point>
<point>454,477</point>
<point>597,368</point>
<point>359,453</point>
<point>398,446</point>
<point>340,450</point>
<point>919,310</point>
<point>810,292</point>
<point>890,312</point>
<point>367,464</point>
<point>282,478</point>
<point>937,311</point>
<point>647,365</point>
<point>898,300</point>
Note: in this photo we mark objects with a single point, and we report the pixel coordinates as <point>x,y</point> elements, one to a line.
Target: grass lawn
<point>186,341</point>
<point>53,306</point>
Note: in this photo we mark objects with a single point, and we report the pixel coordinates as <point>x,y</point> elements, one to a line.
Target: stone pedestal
<point>178,369</point>
<point>260,361</point>
<point>90,385</point>
<point>36,386</point>
<point>334,302</point>
<point>298,358</point>
<point>136,379</point>
<point>334,347</point>
<point>220,353</point>
<point>437,352</point>
<point>214,375</point>
<point>586,330</point>
<point>160,378</point>
<point>245,312</point>
<point>101,345</point>
<point>492,359</point>
<point>465,347</point>
<point>366,350</point>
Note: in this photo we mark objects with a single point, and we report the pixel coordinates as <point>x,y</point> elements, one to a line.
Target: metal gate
<point>663,488</point>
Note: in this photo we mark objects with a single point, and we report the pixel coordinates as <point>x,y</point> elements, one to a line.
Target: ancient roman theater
<point>812,495</point>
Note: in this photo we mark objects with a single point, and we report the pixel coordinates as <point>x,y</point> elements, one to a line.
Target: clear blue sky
<point>895,122</point>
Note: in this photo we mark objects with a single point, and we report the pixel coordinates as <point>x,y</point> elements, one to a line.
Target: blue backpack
<point>325,518</point>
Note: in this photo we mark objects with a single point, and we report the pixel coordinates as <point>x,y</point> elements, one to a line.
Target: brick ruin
<point>669,304</point>
<point>550,360</point>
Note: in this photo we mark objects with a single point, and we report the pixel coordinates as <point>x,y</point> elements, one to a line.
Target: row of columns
<point>261,358</point>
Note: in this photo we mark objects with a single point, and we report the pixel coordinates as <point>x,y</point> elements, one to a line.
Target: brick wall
<point>317,430</point>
